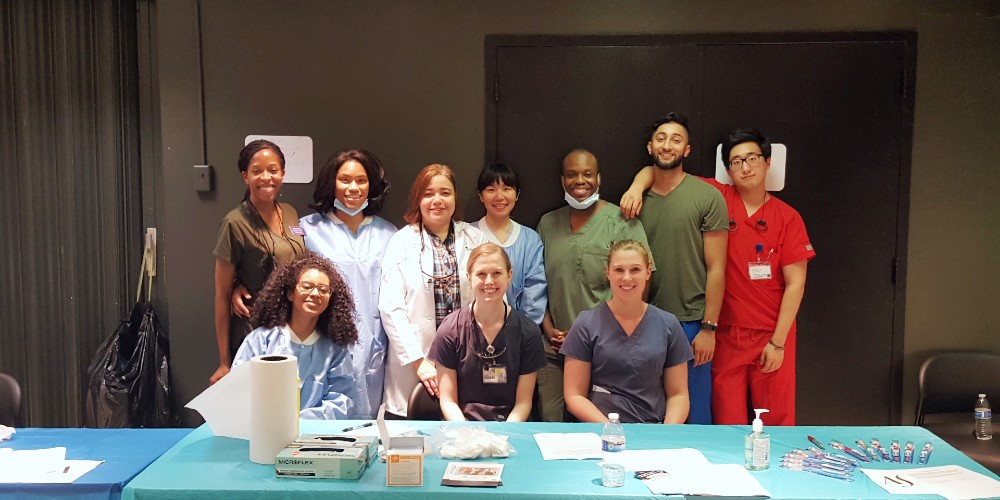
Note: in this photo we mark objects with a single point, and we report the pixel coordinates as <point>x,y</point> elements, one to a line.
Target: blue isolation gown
<point>324,369</point>
<point>358,258</point>
<point>527,293</point>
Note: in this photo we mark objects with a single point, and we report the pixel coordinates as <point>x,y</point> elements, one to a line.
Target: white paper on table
<point>568,446</point>
<point>42,466</point>
<point>949,481</point>
<point>225,405</point>
<point>637,460</point>
<point>730,480</point>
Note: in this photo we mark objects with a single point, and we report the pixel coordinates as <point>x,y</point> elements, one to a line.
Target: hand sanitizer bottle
<point>757,445</point>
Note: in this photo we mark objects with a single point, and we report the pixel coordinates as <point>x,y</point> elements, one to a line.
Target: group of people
<point>678,306</point>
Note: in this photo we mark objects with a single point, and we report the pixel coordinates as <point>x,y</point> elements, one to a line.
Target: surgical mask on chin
<point>340,206</point>
<point>582,205</point>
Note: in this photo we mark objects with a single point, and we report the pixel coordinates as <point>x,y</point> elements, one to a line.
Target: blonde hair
<point>637,246</point>
<point>485,250</point>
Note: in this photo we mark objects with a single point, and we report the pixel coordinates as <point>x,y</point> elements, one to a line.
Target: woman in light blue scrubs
<point>349,193</point>
<point>499,189</point>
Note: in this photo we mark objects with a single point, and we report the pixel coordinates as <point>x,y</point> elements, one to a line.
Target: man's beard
<point>667,165</point>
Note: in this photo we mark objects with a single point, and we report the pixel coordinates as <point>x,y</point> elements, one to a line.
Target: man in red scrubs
<point>767,253</point>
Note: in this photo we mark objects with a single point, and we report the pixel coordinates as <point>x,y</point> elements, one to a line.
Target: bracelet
<point>776,346</point>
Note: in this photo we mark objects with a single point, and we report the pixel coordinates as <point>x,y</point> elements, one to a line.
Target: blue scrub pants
<point>699,382</point>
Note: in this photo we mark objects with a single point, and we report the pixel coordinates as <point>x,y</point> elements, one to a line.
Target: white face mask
<point>582,205</point>
<point>340,206</point>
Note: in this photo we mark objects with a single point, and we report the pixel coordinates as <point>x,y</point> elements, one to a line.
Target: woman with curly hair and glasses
<point>305,310</point>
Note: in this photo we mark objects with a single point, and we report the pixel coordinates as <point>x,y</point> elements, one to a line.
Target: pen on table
<point>356,427</point>
<point>815,442</point>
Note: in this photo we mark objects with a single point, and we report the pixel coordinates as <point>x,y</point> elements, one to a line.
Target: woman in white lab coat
<point>423,282</point>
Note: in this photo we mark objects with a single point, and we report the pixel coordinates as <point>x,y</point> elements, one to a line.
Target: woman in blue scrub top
<point>624,355</point>
<point>305,310</point>
<point>349,193</point>
<point>498,190</point>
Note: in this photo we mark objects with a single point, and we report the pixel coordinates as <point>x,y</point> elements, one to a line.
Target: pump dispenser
<point>757,445</point>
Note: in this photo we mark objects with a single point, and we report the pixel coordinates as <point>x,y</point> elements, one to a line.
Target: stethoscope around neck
<point>760,226</point>
<point>489,355</point>
<point>431,279</point>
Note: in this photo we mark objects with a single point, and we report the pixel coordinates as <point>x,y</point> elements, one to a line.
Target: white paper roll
<point>274,405</point>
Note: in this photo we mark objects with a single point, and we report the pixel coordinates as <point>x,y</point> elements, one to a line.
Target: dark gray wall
<point>405,79</point>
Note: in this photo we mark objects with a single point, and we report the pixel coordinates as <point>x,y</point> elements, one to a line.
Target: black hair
<point>741,135</point>
<point>498,172</point>
<point>255,147</point>
<point>671,117</point>
<point>378,187</point>
<point>273,308</point>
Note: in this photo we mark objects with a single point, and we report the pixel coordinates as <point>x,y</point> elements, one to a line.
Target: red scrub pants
<point>736,368</point>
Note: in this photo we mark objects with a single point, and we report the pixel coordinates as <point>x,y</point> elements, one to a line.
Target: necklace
<point>490,354</point>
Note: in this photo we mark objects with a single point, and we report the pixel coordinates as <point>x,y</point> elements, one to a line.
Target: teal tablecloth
<point>205,466</point>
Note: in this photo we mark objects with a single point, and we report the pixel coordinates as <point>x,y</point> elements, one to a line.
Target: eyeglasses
<point>752,160</point>
<point>308,288</point>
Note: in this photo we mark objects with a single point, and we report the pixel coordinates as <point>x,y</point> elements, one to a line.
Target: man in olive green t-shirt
<point>686,222</point>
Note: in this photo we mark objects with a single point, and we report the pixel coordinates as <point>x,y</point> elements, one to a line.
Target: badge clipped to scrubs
<point>495,374</point>
<point>760,269</point>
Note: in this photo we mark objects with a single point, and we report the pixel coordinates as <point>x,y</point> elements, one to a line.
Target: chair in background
<point>11,402</point>
<point>949,384</point>
<point>422,406</point>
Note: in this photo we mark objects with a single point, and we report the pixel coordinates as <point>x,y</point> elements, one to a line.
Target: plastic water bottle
<point>984,419</point>
<point>613,443</point>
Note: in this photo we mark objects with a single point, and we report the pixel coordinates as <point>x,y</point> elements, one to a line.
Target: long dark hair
<point>326,184</point>
<point>272,307</point>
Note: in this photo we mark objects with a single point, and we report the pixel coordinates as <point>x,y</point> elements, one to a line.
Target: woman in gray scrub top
<point>624,355</point>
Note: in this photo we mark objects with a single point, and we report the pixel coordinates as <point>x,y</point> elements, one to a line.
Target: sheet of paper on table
<point>568,445</point>
<point>728,480</point>
<point>949,481</point>
<point>42,466</point>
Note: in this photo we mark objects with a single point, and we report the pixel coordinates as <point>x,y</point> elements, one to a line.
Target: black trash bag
<point>128,382</point>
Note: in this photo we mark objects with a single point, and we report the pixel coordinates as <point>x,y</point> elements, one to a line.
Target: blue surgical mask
<point>582,205</point>
<point>340,206</point>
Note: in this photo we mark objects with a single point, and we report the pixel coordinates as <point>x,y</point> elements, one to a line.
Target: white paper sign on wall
<point>775,180</point>
<point>298,151</point>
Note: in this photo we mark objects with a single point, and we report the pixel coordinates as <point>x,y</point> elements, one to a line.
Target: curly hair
<point>273,308</point>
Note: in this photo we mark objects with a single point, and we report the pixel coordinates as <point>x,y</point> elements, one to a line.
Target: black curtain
<point>70,201</point>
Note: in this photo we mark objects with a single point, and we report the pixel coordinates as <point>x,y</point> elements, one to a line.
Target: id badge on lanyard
<point>761,268</point>
<point>495,374</point>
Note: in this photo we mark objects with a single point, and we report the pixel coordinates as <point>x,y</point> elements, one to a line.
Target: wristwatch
<point>705,325</point>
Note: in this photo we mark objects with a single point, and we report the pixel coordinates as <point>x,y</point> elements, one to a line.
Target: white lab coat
<point>406,303</point>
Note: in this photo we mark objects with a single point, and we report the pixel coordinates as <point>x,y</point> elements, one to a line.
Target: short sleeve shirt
<point>247,243</point>
<point>575,262</point>
<point>674,224</point>
<point>458,341</point>
<point>754,303</point>
<point>626,371</point>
